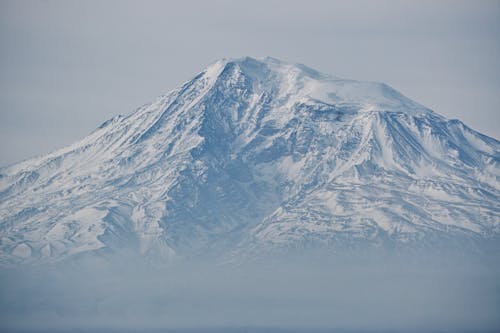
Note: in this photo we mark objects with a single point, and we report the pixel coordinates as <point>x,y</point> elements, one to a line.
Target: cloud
<point>347,294</point>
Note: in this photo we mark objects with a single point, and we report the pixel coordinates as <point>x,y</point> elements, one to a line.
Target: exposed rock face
<point>253,156</point>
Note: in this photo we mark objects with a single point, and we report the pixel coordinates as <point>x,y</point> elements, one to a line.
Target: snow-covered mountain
<point>255,156</point>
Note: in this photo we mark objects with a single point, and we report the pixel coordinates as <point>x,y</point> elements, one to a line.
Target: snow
<point>254,153</point>
<point>22,250</point>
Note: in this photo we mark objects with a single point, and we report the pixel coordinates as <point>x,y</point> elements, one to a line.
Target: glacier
<point>254,157</point>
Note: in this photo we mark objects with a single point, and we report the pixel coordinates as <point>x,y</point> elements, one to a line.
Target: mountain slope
<point>255,155</point>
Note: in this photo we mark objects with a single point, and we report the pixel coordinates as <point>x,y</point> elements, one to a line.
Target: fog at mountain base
<point>364,294</point>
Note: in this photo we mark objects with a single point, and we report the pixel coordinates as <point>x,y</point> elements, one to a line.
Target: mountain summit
<point>256,156</point>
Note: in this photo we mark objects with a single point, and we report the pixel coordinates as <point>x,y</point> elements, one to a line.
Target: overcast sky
<point>67,66</point>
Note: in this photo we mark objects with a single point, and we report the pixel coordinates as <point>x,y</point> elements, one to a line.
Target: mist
<point>306,294</point>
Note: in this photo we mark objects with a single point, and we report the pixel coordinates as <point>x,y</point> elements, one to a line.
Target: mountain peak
<point>298,83</point>
<point>254,155</point>
<point>251,65</point>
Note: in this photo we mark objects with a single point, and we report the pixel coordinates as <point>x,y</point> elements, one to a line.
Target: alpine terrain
<point>255,157</point>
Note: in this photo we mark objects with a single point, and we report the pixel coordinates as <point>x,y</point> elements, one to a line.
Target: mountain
<point>256,156</point>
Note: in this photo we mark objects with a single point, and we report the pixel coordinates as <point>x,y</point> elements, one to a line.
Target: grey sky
<point>67,66</point>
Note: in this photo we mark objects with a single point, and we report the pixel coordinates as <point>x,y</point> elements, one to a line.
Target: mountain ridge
<point>254,154</point>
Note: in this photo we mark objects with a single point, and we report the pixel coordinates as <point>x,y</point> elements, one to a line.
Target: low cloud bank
<point>299,295</point>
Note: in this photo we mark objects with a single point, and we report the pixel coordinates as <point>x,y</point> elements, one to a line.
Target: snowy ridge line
<point>256,156</point>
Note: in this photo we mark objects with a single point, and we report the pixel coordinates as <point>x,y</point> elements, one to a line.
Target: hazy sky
<point>67,66</point>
